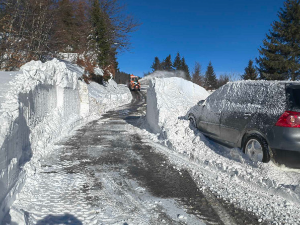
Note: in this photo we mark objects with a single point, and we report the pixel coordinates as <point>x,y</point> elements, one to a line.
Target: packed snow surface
<point>39,105</point>
<point>269,191</point>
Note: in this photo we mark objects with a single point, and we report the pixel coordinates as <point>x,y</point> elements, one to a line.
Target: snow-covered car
<point>260,117</point>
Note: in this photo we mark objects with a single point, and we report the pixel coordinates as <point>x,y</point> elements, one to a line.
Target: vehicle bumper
<point>285,145</point>
<point>288,158</point>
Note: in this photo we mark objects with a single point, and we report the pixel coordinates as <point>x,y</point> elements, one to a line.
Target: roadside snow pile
<point>6,77</point>
<point>44,102</point>
<point>183,94</point>
<point>270,192</point>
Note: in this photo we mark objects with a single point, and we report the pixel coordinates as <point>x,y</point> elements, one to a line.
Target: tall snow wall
<point>46,100</point>
<point>167,97</point>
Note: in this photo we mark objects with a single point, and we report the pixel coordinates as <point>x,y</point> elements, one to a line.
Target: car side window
<point>276,98</point>
<point>217,100</point>
<point>219,94</point>
<point>241,94</point>
<point>235,93</point>
<point>259,95</point>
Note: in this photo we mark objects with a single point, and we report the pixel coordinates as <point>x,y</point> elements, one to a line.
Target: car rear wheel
<point>192,121</point>
<point>256,147</point>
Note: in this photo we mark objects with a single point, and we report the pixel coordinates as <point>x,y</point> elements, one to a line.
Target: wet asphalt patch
<point>164,181</point>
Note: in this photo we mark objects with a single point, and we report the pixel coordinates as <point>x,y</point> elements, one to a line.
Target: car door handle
<point>247,114</point>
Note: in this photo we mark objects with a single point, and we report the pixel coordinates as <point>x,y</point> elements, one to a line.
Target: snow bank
<point>44,102</point>
<point>170,96</point>
<point>5,77</point>
<point>270,192</point>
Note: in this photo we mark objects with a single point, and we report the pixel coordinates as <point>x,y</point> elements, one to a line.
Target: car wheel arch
<point>248,133</point>
<point>191,115</point>
<point>255,132</point>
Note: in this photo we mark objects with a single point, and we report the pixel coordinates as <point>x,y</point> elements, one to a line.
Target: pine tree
<point>185,69</point>
<point>250,72</point>
<point>64,37</point>
<point>167,64</point>
<point>83,27</point>
<point>210,78</point>
<point>177,62</point>
<point>98,19</point>
<point>197,77</point>
<point>156,64</point>
<point>280,55</point>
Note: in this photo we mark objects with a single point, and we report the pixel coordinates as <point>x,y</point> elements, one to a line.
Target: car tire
<point>257,148</point>
<point>192,121</point>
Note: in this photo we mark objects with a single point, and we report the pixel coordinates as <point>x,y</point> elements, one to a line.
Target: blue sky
<point>226,32</point>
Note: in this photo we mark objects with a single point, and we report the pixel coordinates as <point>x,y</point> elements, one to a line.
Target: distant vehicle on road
<point>260,117</point>
<point>134,83</point>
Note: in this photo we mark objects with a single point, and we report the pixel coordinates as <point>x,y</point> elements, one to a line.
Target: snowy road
<point>108,173</point>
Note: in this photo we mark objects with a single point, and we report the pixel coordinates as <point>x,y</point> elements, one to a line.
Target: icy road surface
<point>106,172</point>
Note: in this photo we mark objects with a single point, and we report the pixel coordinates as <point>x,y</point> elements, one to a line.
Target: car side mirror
<point>200,102</point>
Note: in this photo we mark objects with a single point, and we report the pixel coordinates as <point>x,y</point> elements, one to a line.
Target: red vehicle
<point>134,83</point>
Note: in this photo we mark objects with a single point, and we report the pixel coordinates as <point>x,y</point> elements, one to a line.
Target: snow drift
<point>270,192</point>
<point>43,102</point>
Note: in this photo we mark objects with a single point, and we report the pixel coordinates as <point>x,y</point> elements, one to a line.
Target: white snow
<point>45,101</point>
<point>39,105</point>
<point>170,96</point>
<point>161,74</point>
<point>5,77</point>
<point>271,192</point>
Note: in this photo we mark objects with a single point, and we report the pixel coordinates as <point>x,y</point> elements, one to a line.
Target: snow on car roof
<point>266,82</point>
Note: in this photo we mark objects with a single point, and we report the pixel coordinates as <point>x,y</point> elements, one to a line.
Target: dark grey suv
<point>261,117</point>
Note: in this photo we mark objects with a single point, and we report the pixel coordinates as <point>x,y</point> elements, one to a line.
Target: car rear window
<point>293,95</point>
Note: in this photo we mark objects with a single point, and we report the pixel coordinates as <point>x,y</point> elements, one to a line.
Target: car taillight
<point>289,119</point>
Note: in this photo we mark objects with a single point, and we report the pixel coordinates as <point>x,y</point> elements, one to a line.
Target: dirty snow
<point>40,104</point>
<point>271,192</point>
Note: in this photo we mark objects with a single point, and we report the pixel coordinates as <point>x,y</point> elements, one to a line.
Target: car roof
<point>265,82</point>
